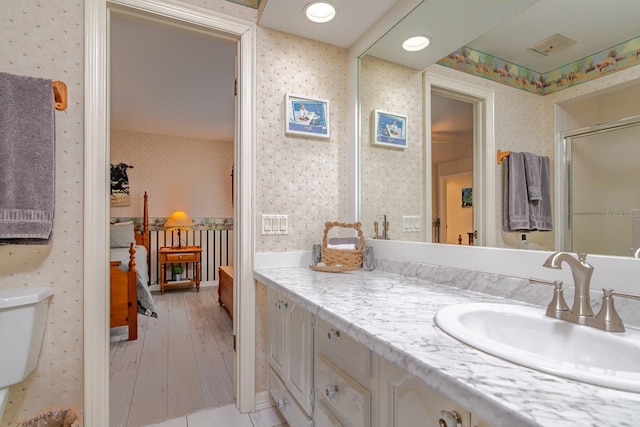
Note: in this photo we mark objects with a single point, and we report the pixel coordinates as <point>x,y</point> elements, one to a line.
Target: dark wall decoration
<point>120,185</point>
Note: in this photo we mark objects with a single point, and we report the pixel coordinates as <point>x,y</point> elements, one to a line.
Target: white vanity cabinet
<point>290,356</point>
<point>320,376</point>
<point>345,379</point>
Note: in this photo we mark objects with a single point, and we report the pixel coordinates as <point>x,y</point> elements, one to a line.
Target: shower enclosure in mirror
<point>601,191</point>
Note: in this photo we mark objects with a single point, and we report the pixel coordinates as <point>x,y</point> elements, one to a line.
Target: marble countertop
<point>393,315</point>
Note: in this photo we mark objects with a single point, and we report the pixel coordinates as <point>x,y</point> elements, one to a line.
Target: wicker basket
<point>53,417</point>
<point>338,260</point>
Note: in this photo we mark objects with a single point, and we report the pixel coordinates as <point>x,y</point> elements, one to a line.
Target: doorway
<point>452,135</point>
<point>479,158</point>
<point>172,118</point>
<point>96,209</point>
<point>456,206</point>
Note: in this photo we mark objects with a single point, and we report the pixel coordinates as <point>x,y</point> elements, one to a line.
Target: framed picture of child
<point>307,116</point>
<point>390,129</point>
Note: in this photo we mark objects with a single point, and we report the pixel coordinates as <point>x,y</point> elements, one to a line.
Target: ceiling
<point>353,18</point>
<point>595,25</point>
<point>171,81</point>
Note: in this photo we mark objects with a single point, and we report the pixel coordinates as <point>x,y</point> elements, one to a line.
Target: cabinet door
<point>478,422</point>
<point>277,333</point>
<point>290,347</point>
<point>408,402</point>
<point>286,403</point>
<point>300,356</point>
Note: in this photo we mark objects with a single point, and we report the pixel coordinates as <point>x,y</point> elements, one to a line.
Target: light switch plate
<point>410,223</point>
<point>274,224</point>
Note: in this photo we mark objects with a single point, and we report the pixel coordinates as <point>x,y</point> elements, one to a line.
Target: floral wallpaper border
<point>616,58</point>
<point>199,223</point>
<point>249,3</point>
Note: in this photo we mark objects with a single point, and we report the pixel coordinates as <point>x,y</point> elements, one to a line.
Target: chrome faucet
<point>581,311</point>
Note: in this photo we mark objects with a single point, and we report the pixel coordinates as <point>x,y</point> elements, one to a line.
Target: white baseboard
<point>264,400</point>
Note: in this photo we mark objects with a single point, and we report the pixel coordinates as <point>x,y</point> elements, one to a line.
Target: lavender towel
<point>516,203</point>
<point>343,241</point>
<point>27,159</point>
<point>527,194</point>
<point>540,215</point>
<point>532,172</point>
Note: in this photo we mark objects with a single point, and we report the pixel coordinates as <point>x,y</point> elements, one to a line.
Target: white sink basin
<point>525,335</point>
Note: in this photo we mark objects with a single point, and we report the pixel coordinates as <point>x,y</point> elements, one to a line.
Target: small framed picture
<point>307,116</point>
<point>390,129</point>
<point>467,197</point>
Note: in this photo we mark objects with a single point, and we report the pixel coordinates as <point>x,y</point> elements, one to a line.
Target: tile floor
<point>227,416</point>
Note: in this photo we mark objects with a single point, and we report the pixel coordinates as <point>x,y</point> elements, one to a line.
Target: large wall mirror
<point>444,184</point>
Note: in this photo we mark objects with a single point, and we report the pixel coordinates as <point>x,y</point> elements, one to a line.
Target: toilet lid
<point>15,297</point>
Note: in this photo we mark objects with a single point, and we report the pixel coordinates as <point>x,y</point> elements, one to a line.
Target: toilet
<point>23,315</point>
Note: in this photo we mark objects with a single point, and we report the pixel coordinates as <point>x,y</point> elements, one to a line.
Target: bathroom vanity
<point>364,350</point>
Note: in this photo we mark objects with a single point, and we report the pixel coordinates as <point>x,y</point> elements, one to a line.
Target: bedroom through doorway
<point>172,122</point>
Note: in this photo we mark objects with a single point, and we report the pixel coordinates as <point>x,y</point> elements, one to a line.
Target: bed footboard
<point>124,295</point>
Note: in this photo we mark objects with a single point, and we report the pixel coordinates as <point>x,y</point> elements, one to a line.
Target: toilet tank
<point>23,316</point>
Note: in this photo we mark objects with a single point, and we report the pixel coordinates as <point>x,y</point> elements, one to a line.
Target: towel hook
<point>502,155</point>
<point>60,95</point>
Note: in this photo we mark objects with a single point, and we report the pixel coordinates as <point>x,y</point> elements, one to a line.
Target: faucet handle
<point>622,294</point>
<point>608,315</point>
<point>558,305</point>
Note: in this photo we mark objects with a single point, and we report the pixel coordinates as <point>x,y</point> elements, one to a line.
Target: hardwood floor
<point>181,362</point>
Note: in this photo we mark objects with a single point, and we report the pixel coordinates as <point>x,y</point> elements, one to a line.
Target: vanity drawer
<point>285,402</point>
<point>349,354</point>
<point>344,397</point>
<point>324,417</point>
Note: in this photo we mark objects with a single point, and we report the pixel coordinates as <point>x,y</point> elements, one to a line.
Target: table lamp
<point>178,220</point>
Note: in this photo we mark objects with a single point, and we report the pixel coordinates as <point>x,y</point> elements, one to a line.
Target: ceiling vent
<point>553,44</point>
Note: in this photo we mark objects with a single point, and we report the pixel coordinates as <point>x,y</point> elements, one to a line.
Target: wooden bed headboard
<point>143,238</point>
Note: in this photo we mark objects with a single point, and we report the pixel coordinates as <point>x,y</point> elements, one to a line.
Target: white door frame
<point>96,190</point>
<point>484,152</point>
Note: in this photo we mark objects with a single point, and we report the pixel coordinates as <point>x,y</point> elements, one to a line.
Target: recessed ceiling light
<point>414,44</point>
<point>320,11</point>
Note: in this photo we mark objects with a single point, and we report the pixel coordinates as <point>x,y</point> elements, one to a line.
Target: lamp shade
<point>178,220</point>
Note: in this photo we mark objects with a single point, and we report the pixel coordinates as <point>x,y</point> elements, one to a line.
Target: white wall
<point>392,180</point>
<point>303,177</point>
<point>44,39</point>
<point>178,173</point>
